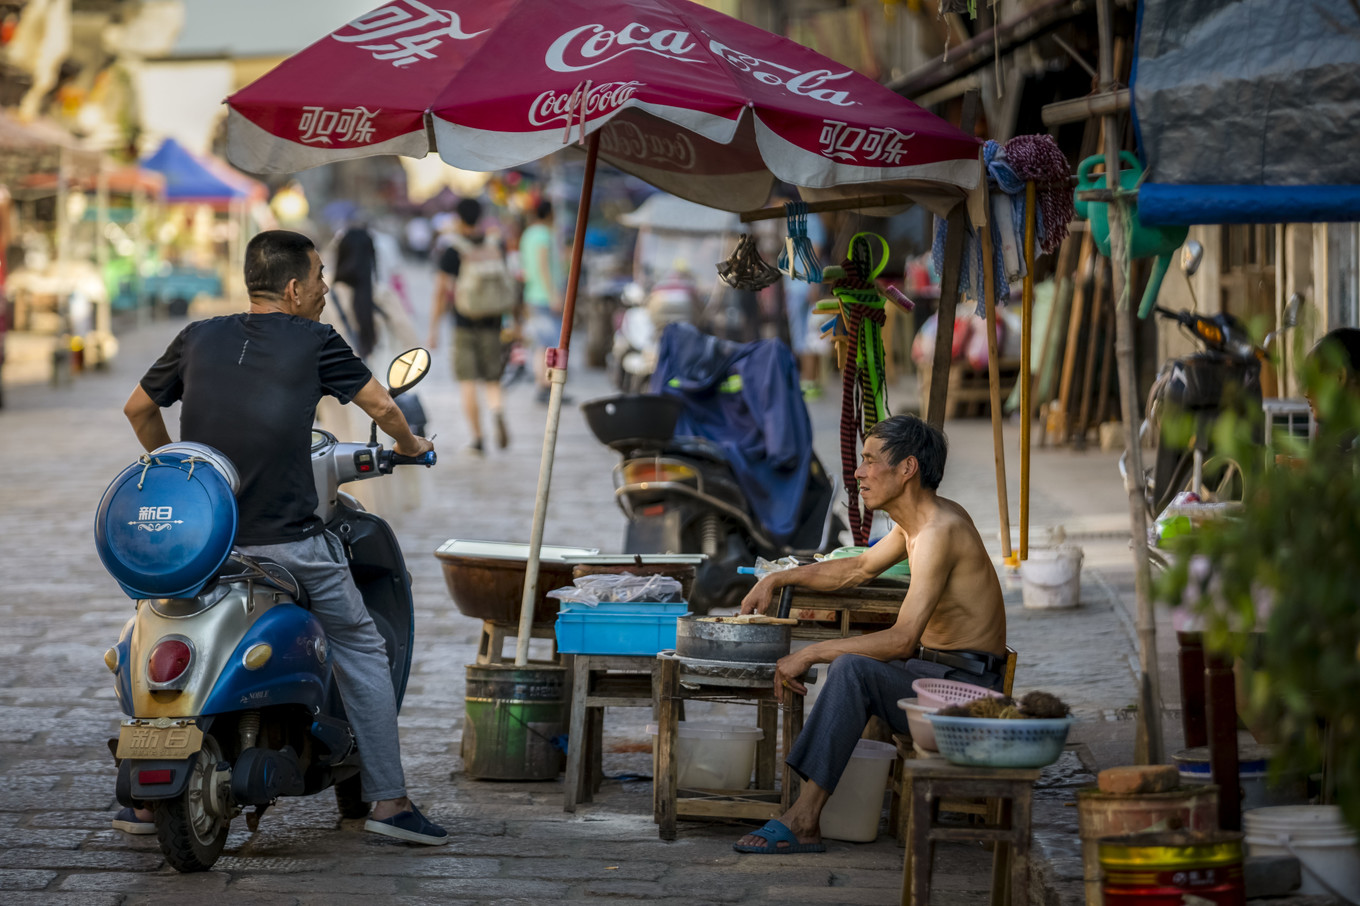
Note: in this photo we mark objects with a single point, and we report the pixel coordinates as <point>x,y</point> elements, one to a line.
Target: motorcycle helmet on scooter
<point>165,525</point>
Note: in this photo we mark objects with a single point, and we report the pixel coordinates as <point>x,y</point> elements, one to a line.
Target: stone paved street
<point>512,842</point>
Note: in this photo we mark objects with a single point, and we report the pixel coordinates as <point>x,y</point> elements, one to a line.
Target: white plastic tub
<point>1051,578</point>
<point>922,732</point>
<point>1326,847</point>
<point>714,756</point>
<point>854,810</point>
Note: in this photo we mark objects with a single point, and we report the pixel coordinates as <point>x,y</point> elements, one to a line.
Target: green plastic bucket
<point>513,715</point>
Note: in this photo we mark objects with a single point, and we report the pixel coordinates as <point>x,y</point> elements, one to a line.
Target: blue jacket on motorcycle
<point>745,397</point>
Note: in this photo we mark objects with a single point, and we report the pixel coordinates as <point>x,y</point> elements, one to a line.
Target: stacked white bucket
<point>1051,577</point>
<point>1326,847</point>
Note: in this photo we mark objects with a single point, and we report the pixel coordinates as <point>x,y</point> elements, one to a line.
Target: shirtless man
<point>951,625</point>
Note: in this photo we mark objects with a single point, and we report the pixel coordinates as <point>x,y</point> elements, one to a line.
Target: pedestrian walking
<point>544,286</point>
<point>474,284</point>
<point>356,266</point>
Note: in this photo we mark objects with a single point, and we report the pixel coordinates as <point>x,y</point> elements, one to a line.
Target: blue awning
<point>187,178</point>
<point>1163,204</point>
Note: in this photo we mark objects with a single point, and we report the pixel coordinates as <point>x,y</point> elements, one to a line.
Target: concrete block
<point>1151,778</point>
<point>1270,876</point>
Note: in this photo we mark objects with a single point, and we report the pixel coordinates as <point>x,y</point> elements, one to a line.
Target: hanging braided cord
<point>864,398</point>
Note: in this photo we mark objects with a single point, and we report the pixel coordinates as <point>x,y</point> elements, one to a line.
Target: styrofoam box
<point>714,756</point>
<point>615,633</point>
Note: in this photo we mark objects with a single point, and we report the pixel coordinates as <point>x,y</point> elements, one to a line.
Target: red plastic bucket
<point>1160,869</point>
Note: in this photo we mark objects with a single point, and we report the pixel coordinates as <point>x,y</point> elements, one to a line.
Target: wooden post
<point>994,381</point>
<point>949,289</point>
<point>1148,735</point>
<point>1026,389</point>
<point>1220,692</point>
<point>1093,345</point>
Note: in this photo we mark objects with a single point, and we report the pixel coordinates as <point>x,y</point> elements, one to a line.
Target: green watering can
<point>1143,241</point>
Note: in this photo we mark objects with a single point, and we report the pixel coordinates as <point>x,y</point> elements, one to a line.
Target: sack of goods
<point>485,287</point>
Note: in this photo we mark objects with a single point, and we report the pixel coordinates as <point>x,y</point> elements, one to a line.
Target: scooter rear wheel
<point>192,827</point>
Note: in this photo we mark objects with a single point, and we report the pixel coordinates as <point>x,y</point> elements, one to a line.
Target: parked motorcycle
<point>223,672</point>
<point>681,496</point>
<point>674,298</point>
<point>1194,392</point>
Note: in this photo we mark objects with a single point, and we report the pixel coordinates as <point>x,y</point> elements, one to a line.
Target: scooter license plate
<point>158,739</point>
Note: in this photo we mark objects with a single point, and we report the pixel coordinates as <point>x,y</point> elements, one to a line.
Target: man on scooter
<point>249,385</point>
<point>951,625</point>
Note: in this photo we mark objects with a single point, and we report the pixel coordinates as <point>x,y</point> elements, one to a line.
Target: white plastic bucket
<point>1326,847</point>
<point>853,811</point>
<point>1051,578</point>
<point>713,756</point>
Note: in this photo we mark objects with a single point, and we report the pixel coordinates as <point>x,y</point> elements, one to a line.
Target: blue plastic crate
<point>646,608</point>
<point>615,633</point>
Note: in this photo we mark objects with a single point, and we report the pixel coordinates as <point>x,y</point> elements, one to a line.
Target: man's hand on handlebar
<point>420,447</point>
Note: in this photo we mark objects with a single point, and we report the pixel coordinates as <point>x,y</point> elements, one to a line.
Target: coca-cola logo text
<point>595,45</point>
<point>674,151</point>
<point>552,106</point>
<point>817,84</point>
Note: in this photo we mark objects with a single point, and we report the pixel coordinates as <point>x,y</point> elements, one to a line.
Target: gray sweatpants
<point>858,687</point>
<point>358,655</point>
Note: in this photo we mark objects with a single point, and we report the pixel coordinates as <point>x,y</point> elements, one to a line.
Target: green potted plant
<point>1277,585</point>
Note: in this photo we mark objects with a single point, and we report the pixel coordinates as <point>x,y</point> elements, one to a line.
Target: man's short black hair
<point>906,435</point>
<point>543,210</point>
<point>1345,341</point>
<point>275,257</point>
<point>469,210</point>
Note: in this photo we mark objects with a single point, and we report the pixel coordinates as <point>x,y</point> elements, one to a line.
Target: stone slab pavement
<point>512,842</point>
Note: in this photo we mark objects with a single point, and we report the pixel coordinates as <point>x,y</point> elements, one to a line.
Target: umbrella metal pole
<point>557,376</point>
<point>1026,329</point>
<point>1148,735</point>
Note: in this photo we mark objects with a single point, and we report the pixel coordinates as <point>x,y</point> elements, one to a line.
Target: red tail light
<point>168,661</point>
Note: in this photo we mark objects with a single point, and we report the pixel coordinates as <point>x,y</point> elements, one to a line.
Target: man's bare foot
<point>389,807</point>
<point>765,840</point>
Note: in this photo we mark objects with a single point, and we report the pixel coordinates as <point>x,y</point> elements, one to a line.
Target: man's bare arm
<point>829,575</point>
<point>379,405</point>
<point>443,286</point>
<point>146,420</point>
<point>931,564</point>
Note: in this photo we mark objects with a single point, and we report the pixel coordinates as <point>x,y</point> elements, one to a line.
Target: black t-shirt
<point>450,262</point>
<point>249,385</point>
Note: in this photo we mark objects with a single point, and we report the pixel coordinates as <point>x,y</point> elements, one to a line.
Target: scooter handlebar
<point>426,459</point>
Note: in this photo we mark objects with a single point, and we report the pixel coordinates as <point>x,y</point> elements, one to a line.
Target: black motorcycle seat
<point>697,447</point>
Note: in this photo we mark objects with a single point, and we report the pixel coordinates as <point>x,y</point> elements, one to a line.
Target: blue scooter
<point>223,671</point>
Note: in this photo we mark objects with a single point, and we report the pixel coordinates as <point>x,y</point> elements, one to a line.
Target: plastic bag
<point>619,588</point>
<point>765,567</point>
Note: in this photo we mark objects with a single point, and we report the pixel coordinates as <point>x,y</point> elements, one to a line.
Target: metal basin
<point>747,643</point>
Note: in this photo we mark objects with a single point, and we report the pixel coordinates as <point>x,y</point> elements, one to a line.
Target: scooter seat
<point>276,576</point>
<point>697,447</point>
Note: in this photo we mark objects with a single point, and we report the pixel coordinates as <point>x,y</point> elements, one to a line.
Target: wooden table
<point>867,605</point>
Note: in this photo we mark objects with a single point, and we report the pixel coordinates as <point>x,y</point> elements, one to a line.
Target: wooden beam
<point>821,207</point>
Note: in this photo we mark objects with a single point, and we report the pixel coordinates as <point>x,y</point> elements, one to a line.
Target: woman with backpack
<point>474,283</point>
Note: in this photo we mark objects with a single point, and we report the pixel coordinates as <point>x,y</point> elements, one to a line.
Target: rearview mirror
<point>1291,310</point>
<point>407,370</point>
<point>1192,253</point>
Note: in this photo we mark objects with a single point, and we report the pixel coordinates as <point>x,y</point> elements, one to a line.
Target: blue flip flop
<point>775,833</point>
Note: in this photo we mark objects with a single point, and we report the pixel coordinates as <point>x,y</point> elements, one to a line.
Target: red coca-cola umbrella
<point>697,103</point>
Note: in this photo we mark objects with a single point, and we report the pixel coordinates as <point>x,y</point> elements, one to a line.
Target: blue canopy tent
<point>1246,111</point>
<point>190,180</point>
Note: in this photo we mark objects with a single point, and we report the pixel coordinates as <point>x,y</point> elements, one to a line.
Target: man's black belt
<point>963,659</point>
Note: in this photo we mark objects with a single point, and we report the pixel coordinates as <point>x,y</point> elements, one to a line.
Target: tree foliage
<point>1279,586</point>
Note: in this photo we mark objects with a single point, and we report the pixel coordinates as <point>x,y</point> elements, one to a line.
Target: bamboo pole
<point>1026,329</point>
<point>994,383</point>
<point>943,359</point>
<point>557,375</point>
<point>1072,349</point>
<point>1093,344</point>
<point>1148,735</point>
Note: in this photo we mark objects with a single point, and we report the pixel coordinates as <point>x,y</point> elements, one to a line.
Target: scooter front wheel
<point>192,827</point>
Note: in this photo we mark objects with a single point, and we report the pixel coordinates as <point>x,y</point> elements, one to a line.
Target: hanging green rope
<point>858,335</point>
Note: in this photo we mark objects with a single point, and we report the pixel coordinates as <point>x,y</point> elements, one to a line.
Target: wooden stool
<point>930,780</point>
<point>494,635</point>
<point>897,818</point>
<point>600,681</point>
<point>680,681</point>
